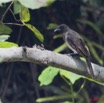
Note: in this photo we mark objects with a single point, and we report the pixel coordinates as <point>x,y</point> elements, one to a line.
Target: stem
<point>3,16</point>
<point>71,87</point>
<point>13,24</point>
<point>14,16</point>
<point>82,86</point>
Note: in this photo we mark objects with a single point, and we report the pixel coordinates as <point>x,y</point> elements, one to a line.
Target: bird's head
<point>61,29</point>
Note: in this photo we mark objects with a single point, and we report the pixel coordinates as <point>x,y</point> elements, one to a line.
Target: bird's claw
<point>39,47</point>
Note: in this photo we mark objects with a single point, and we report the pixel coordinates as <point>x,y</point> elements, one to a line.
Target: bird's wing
<point>83,48</point>
<point>80,46</point>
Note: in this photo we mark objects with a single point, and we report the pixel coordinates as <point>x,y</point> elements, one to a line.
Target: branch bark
<point>46,57</point>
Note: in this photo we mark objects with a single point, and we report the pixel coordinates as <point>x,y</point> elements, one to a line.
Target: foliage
<point>5,29</point>
<point>33,4</point>
<point>84,15</point>
<point>35,31</point>
<point>48,75</point>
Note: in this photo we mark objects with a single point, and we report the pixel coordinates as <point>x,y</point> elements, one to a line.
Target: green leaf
<point>92,80</point>
<point>16,7</point>
<point>4,37</point>
<point>57,36</point>
<point>47,76</point>
<point>7,44</point>
<point>35,31</point>
<point>49,2</point>
<point>36,4</point>
<point>5,29</point>
<point>54,98</point>
<point>60,48</point>
<point>52,26</point>
<point>70,76</point>
<point>24,14</point>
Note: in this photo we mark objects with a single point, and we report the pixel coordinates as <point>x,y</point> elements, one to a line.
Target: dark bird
<point>76,43</point>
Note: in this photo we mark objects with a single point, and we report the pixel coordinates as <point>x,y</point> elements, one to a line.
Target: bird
<point>76,43</point>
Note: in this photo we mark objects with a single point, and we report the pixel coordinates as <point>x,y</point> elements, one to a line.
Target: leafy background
<point>29,22</point>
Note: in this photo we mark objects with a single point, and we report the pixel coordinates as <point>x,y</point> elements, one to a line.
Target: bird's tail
<point>89,68</point>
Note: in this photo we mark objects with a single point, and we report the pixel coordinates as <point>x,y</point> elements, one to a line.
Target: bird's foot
<point>39,47</point>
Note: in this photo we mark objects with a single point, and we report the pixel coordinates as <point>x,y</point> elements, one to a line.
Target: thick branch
<point>47,57</point>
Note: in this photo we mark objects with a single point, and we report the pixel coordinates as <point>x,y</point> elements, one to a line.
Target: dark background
<point>18,81</point>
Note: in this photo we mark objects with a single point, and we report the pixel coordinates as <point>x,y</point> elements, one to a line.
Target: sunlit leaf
<point>57,36</point>
<point>4,37</point>
<point>54,98</point>
<point>24,14</point>
<point>36,4</point>
<point>16,7</point>
<point>67,102</point>
<point>49,2</point>
<point>5,29</point>
<point>36,32</point>
<point>7,44</point>
<point>48,75</point>
<point>60,48</point>
<point>52,26</point>
<point>69,75</point>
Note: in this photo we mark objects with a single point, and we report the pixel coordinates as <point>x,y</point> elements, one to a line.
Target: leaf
<point>4,1</point>
<point>36,4</point>
<point>35,31</point>
<point>92,80</point>
<point>52,26</point>
<point>70,76</point>
<point>4,37</point>
<point>57,36</point>
<point>7,44</point>
<point>16,7</point>
<point>47,76</point>
<point>24,14</point>
<point>54,98</point>
<point>60,48</point>
<point>5,29</point>
<point>49,2</point>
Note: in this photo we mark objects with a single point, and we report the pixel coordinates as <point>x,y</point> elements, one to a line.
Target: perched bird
<point>76,43</point>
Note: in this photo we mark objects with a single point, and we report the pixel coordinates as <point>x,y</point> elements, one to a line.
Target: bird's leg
<point>39,47</point>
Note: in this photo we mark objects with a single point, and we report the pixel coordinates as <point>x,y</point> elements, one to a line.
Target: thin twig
<point>14,16</point>
<point>13,24</point>
<point>7,81</point>
<point>3,16</point>
<point>19,35</point>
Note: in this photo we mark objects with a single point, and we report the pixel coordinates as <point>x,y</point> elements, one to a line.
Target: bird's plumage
<point>76,43</point>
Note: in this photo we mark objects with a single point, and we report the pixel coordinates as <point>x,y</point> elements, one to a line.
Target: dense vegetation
<point>32,22</point>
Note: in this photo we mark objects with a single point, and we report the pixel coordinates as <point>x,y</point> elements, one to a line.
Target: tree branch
<point>47,57</point>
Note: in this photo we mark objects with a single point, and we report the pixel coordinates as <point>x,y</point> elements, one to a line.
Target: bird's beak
<point>57,30</point>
